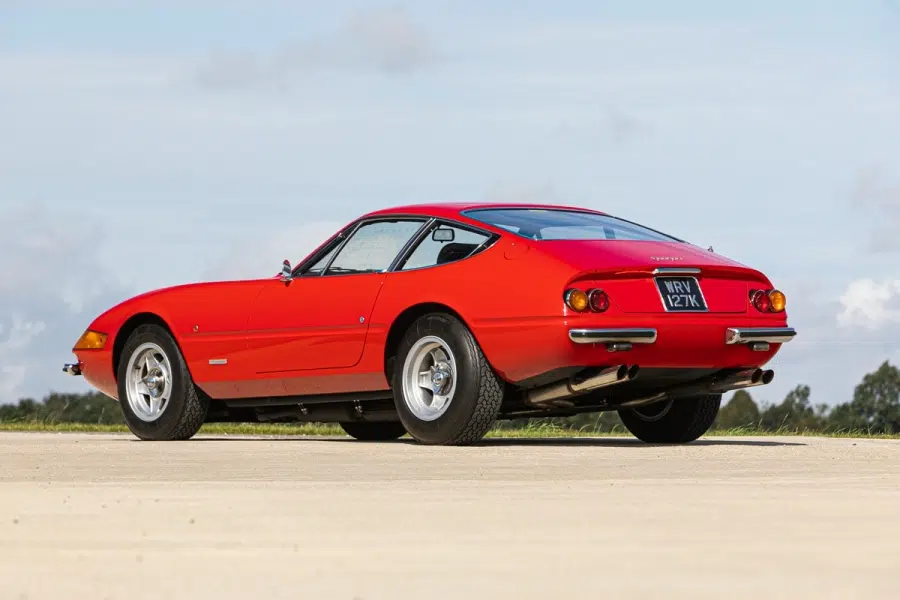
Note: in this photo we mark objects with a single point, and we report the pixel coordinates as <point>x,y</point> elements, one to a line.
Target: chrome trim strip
<point>676,271</point>
<point>770,335</point>
<point>606,336</point>
<point>218,361</point>
<point>72,369</point>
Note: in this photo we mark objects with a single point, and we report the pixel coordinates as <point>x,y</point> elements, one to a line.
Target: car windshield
<point>557,224</point>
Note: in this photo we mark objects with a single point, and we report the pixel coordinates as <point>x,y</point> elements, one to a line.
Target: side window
<point>373,247</point>
<point>443,245</point>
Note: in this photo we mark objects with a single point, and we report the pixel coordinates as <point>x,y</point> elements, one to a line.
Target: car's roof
<point>453,209</point>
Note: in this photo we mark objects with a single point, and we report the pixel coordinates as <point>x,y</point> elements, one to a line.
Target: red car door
<point>311,323</point>
<point>319,319</point>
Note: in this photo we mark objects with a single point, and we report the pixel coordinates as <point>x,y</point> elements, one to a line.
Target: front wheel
<point>672,421</point>
<point>444,389</point>
<point>157,395</point>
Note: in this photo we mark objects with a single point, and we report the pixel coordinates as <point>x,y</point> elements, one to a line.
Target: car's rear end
<point>647,324</point>
<point>670,304</point>
<point>635,296</point>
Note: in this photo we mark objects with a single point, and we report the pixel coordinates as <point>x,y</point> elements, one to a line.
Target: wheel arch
<point>128,327</point>
<point>407,318</point>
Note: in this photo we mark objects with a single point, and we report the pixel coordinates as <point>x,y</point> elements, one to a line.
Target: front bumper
<point>72,369</point>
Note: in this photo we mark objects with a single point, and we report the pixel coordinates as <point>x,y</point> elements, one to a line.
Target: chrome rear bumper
<point>612,336</point>
<point>758,338</point>
<point>72,369</point>
<point>762,335</point>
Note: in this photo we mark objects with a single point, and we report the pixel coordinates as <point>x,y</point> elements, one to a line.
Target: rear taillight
<point>768,301</point>
<point>598,300</point>
<point>577,300</point>
<point>580,301</point>
<point>777,301</point>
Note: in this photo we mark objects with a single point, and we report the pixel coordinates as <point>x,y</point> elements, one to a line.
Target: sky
<point>148,144</point>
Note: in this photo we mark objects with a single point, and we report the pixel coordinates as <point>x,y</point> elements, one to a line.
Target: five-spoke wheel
<point>148,381</point>
<point>156,393</point>
<point>445,391</point>
<point>429,378</point>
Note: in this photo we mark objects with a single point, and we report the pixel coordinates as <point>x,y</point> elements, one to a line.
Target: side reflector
<point>576,300</point>
<point>91,340</point>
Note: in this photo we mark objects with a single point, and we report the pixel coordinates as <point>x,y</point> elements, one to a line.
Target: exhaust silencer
<point>580,385</point>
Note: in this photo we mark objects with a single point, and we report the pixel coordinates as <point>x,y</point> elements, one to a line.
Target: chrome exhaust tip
<point>554,392</point>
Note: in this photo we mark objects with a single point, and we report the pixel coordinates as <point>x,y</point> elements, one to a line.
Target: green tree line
<point>874,408</point>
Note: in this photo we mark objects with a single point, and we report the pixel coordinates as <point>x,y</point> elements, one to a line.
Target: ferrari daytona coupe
<point>437,320</point>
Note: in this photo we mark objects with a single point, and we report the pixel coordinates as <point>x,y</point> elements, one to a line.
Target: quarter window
<point>373,247</point>
<point>443,245</point>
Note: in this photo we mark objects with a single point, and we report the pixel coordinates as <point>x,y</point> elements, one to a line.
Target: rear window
<point>556,224</point>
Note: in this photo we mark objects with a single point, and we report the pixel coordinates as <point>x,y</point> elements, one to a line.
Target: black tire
<point>475,404</point>
<point>377,431</point>
<point>672,422</point>
<point>186,408</point>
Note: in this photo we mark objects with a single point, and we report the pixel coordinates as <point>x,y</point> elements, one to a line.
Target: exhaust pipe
<point>553,393</point>
<point>741,380</point>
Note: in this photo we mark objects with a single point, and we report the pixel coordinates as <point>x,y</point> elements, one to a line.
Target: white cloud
<point>52,287</point>
<point>385,41</point>
<point>870,304</point>
<point>879,198</point>
<point>524,193</point>
<point>20,334</point>
<point>12,343</point>
<point>11,379</point>
<point>261,255</point>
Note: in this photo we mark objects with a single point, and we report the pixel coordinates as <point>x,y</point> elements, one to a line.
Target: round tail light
<point>760,301</point>
<point>598,300</point>
<point>777,301</point>
<point>577,300</point>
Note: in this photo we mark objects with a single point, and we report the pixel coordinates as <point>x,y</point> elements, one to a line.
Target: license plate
<point>681,294</point>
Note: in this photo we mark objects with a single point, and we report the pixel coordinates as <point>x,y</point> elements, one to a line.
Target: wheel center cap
<point>155,382</point>
<point>441,379</point>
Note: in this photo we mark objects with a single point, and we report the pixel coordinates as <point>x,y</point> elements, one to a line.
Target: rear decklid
<point>659,277</point>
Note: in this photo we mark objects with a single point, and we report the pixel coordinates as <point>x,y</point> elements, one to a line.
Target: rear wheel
<point>375,431</point>
<point>444,389</point>
<point>672,421</point>
<point>158,398</point>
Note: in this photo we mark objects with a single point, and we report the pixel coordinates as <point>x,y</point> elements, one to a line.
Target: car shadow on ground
<point>548,442</point>
<point>624,443</point>
<point>610,442</point>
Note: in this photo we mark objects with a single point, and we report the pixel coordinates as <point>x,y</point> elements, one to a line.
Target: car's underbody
<point>559,394</point>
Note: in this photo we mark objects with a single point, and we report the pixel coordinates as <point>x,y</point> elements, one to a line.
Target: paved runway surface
<point>99,516</point>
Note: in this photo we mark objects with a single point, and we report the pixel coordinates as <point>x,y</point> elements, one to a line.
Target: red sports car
<point>437,320</point>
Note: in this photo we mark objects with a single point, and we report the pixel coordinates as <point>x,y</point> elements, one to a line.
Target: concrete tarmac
<point>102,516</point>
